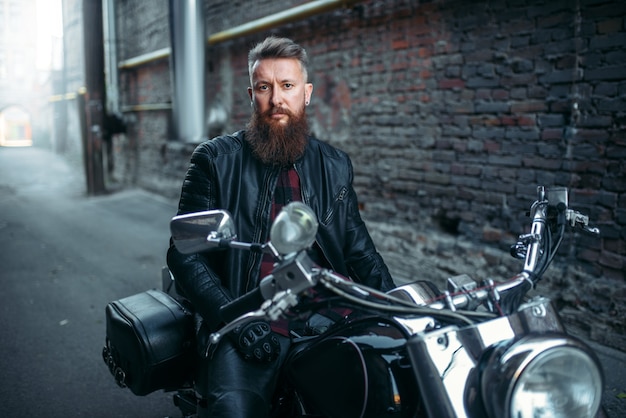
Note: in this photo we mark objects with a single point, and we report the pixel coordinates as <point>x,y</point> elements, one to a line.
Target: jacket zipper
<point>305,199</point>
<point>269,184</point>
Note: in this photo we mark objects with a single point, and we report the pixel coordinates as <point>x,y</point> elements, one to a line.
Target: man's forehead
<point>273,66</point>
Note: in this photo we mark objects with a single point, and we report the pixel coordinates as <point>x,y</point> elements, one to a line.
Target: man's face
<point>279,88</point>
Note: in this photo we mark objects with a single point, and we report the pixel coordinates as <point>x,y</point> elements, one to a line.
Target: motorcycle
<point>476,349</point>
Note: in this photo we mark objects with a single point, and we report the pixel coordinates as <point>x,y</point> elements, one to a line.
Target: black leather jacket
<point>223,174</point>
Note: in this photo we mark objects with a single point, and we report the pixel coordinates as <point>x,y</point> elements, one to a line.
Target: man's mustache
<point>277,110</point>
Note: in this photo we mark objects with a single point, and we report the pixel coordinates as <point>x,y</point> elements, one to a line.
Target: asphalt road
<point>63,257</point>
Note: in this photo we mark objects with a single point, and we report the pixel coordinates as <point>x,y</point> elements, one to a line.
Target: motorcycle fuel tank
<point>360,370</point>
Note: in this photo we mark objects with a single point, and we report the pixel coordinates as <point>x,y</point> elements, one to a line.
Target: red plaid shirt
<point>287,190</point>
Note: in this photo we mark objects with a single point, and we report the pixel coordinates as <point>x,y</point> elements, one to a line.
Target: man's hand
<point>256,341</point>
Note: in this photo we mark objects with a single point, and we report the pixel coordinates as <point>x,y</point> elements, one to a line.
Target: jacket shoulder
<point>327,149</point>
<point>221,145</point>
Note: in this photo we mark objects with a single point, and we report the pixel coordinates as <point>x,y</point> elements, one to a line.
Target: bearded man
<point>253,173</point>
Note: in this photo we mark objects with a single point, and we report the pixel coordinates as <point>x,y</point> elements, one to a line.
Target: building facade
<point>18,79</point>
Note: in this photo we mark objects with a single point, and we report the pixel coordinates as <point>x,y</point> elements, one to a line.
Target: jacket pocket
<point>332,210</point>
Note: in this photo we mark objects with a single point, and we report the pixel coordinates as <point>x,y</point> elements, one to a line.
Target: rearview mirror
<point>201,231</point>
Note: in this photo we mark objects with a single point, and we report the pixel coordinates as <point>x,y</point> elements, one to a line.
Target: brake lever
<point>244,319</point>
<point>270,310</point>
<point>577,219</point>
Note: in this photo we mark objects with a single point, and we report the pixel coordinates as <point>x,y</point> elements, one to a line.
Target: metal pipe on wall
<point>187,63</point>
<point>268,22</point>
<point>287,16</point>
<point>143,59</point>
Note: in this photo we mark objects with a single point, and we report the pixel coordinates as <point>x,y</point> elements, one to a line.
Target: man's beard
<point>274,143</point>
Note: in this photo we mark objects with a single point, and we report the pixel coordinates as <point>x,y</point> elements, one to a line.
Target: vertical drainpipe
<point>187,63</point>
<point>111,88</point>
<point>110,56</point>
<point>91,100</point>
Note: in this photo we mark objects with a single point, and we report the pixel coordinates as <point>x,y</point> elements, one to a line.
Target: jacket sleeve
<point>363,261</point>
<point>195,278</point>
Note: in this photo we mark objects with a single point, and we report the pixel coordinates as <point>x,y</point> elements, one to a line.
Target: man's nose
<point>276,98</point>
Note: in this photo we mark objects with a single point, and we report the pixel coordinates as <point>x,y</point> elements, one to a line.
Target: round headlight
<point>294,228</point>
<point>543,376</point>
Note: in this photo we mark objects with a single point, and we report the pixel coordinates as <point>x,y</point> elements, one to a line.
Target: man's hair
<point>274,47</point>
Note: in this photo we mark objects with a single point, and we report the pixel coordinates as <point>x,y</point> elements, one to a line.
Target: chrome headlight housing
<point>548,375</point>
<point>294,228</point>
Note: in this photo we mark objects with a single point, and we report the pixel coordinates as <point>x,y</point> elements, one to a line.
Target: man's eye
<point>263,87</point>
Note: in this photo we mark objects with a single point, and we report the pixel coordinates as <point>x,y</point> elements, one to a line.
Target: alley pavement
<point>65,255</point>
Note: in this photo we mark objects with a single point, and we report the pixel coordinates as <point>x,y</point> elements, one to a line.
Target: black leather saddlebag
<point>149,342</point>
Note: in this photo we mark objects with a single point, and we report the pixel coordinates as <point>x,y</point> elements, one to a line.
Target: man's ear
<point>250,92</point>
<point>308,91</point>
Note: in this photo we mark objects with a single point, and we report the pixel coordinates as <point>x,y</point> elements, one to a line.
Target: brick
<point>616,152</point>
<point>453,71</point>
<point>527,176</point>
<point>522,133</point>
<point>475,145</point>
<point>551,134</point>
<point>591,135</point>
<point>611,260</point>
<point>492,234</point>
<point>615,57</point>
<point>615,72</point>
<point>609,200</point>
<point>567,62</point>
<point>520,41</point>
<point>587,166</point>
<point>400,44</point>
<point>606,89</point>
<point>490,133</point>
<point>527,120</point>
<point>451,83</point>
<point>556,48</point>
<point>602,11</point>
<point>492,107</point>
<point>492,146</point>
<point>501,94</point>
<point>528,106</point>
<point>594,59</point>
<point>518,93</point>
<point>551,120</point>
<point>477,82</point>
<point>588,255</point>
<point>542,163</point>
<point>595,121</point>
<point>558,105</point>
<point>614,184</point>
<point>511,160</point>
<point>466,182</point>
<point>620,218</point>
<point>562,76</point>
<point>456,131</point>
<point>607,42</point>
